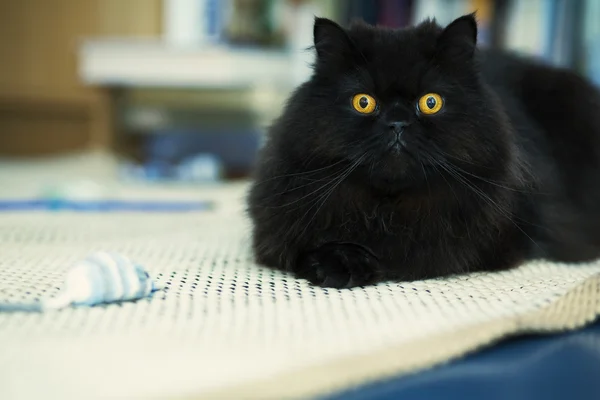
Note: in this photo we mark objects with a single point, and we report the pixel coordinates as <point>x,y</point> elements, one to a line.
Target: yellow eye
<point>431,103</point>
<point>363,103</point>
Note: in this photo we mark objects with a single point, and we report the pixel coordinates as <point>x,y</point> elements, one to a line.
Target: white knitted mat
<point>226,328</point>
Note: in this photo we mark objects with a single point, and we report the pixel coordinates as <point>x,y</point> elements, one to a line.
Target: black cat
<point>411,154</point>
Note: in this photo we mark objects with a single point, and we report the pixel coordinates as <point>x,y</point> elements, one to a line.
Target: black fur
<point>507,171</point>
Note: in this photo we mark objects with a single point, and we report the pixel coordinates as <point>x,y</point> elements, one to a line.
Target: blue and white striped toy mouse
<point>100,278</point>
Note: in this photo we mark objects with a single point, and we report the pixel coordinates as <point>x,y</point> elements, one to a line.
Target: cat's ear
<point>458,40</point>
<point>332,43</point>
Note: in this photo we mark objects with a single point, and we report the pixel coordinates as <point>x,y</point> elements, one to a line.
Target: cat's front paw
<point>338,265</point>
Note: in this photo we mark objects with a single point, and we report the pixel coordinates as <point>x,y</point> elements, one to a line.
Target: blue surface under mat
<point>103,205</point>
<point>565,366</point>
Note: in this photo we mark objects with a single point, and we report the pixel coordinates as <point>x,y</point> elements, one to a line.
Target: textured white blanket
<point>226,328</point>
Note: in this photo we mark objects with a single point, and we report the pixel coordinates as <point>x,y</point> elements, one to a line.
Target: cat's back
<point>561,104</point>
<point>556,115</point>
<point>546,93</point>
<point>555,111</point>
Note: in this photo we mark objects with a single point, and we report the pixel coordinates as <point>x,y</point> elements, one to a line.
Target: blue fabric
<point>565,366</point>
<point>102,206</point>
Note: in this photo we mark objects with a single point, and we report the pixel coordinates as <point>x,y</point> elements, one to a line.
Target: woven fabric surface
<point>227,328</point>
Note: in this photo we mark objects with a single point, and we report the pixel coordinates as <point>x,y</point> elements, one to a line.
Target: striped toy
<point>100,278</point>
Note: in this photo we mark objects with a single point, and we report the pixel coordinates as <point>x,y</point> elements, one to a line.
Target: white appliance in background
<point>444,11</point>
<point>191,23</point>
<point>299,23</point>
<point>592,39</point>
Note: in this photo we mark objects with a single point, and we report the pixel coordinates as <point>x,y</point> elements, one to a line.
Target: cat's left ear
<point>458,40</point>
<point>331,42</point>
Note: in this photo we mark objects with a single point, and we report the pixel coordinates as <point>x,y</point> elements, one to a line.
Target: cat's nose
<point>397,126</point>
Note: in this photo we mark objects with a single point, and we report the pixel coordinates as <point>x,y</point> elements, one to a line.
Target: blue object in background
<point>235,150</point>
<point>102,205</point>
<point>594,68</point>
<point>201,168</point>
<point>215,18</point>
<point>564,366</point>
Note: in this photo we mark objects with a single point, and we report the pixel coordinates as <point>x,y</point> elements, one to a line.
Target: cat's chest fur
<point>400,219</point>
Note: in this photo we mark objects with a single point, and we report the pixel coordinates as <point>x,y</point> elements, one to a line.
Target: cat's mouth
<point>397,147</point>
<point>401,155</point>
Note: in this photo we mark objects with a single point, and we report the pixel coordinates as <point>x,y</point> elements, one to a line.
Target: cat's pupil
<point>363,102</point>
<point>430,102</point>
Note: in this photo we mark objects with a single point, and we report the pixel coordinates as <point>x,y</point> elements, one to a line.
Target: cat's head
<point>399,101</point>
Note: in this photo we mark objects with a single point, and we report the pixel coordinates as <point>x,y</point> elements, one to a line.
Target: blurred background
<point>179,92</point>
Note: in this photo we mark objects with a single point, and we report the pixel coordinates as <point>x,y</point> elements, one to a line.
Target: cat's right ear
<point>458,40</point>
<point>332,43</point>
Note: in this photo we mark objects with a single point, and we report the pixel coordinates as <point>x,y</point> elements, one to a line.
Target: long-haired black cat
<point>412,154</point>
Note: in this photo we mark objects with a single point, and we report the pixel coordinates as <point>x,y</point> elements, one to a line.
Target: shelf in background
<point>153,63</point>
